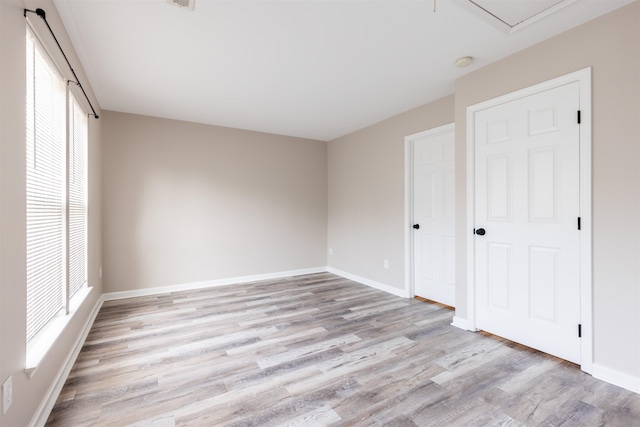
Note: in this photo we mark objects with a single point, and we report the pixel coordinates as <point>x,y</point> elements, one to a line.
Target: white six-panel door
<point>527,204</point>
<point>434,214</point>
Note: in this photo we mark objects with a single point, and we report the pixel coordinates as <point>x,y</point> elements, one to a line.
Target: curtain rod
<point>41,13</point>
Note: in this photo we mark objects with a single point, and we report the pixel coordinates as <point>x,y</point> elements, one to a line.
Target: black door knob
<point>416,226</point>
<point>480,232</point>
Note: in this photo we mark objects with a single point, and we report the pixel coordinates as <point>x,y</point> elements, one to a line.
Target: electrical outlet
<point>386,264</point>
<point>330,251</point>
<point>7,394</point>
<point>101,272</point>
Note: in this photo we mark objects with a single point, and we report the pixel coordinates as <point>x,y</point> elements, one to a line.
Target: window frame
<point>75,125</point>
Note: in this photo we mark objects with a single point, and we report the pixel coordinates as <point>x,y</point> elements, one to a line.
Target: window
<point>56,178</point>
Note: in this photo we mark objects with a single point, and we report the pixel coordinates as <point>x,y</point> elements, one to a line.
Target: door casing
<point>586,295</point>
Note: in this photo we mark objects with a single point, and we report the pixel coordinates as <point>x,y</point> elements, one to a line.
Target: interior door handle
<point>480,232</point>
<point>416,226</point>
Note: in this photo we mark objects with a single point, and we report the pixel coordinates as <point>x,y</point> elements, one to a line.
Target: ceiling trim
<point>492,19</point>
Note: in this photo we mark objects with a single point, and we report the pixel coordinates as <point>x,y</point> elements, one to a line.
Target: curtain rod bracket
<point>42,14</point>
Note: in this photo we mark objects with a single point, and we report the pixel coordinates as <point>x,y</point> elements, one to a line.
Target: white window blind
<point>46,114</point>
<point>56,193</point>
<point>77,185</point>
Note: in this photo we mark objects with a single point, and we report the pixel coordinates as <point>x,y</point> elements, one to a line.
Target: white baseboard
<point>462,323</point>
<point>210,283</point>
<point>46,406</point>
<point>254,278</point>
<point>377,285</point>
<point>614,377</point>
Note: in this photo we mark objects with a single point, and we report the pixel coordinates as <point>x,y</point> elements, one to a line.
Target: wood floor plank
<point>317,350</point>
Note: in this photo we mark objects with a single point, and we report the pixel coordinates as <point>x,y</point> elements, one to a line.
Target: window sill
<point>38,347</point>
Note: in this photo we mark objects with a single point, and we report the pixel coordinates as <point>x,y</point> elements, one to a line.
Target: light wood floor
<point>317,350</point>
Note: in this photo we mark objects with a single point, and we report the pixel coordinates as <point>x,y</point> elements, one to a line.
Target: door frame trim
<point>583,77</point>
<point>409,265</point>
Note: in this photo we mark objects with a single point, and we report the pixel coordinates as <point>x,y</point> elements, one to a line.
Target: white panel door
<point>434,215</point>
<point>527,209</point>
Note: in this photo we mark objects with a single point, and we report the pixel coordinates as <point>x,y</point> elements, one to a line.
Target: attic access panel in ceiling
<point>184,4</point>
<point>512,15</point>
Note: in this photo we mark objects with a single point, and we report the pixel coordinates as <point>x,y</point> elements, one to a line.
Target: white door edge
<point>583,77</point>
<point>409,282</point>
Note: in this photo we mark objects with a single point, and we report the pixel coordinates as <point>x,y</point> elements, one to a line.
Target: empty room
<point>310,212</point>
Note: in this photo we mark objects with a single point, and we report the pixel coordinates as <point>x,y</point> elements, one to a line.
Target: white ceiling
<point>316,69</point>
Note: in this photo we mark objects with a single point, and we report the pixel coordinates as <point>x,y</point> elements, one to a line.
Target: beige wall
<point>610,45</point>
<point>186,202</point>
<point>366,194</point>
<point>29,393</point>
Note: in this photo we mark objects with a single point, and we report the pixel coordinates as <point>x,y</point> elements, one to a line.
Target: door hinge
<point>579,118</point>
<point>579,224</point>
<point>580,331</point>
